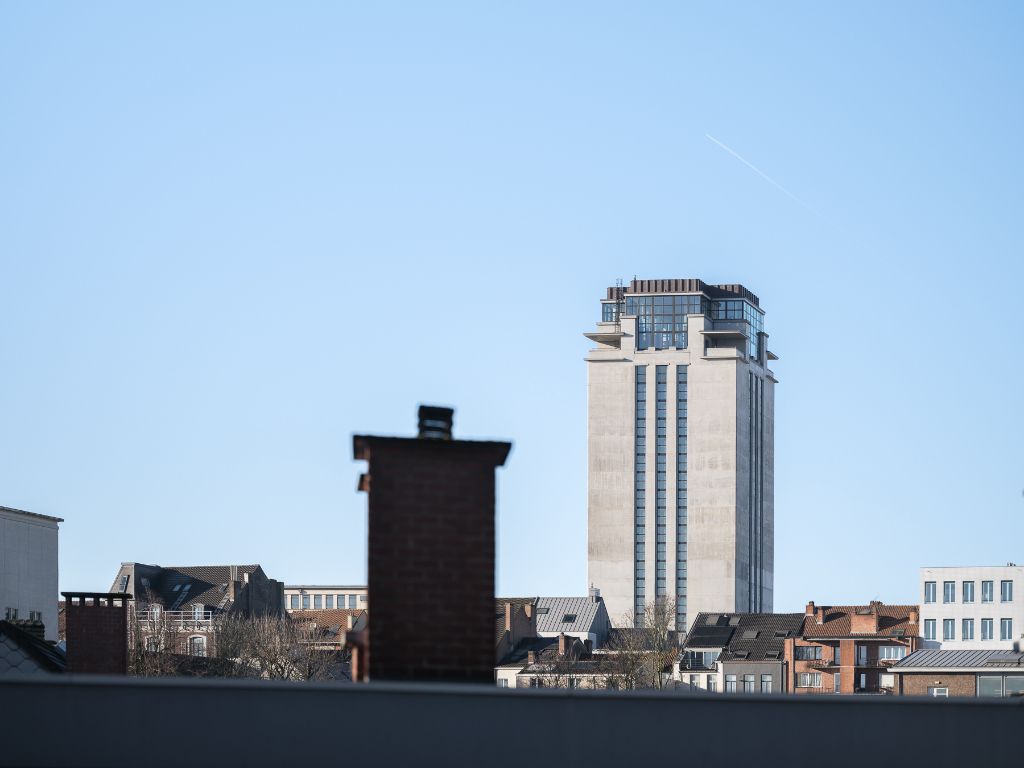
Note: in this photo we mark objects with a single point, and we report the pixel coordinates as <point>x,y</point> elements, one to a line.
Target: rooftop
<point>571,614</point>
<point>744,636</point>
<point>32,514</point>
<point>685,285</point>
<point>952,659</point>
<point>893,621</point>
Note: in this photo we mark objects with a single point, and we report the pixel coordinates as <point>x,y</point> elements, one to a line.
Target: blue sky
<point>233,236</point>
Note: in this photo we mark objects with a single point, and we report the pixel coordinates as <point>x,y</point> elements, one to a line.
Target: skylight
<point>569,618</point>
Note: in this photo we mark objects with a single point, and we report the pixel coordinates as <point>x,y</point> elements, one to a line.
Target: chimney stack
<point>508,617</point>
<point>563,644</point>
<point>97,632</point>
<point>594,593</point>
<point>431,520</point>
<point>819,614</point>
<point>914,615</point>
<point>809,611</point>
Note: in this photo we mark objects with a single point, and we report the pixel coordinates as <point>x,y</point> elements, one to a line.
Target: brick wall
<point>959,684</point>
<point>431,557</point>
<point>97,632</point>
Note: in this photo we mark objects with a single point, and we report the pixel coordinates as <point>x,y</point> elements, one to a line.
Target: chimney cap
<point>435,422</point>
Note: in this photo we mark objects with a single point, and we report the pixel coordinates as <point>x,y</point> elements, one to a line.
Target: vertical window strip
<point>661,480</point>
<point>639,502</point>
<point>760,493</point>
<point>681,497</point>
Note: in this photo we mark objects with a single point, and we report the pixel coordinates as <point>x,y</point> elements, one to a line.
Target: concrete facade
<point>28,567</point>
<point>313,597</point>
<point>728,532</point>
<point>937,607</point>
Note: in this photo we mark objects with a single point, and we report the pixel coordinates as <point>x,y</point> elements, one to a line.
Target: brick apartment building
<point>850,648</point>
<point>175,608</point>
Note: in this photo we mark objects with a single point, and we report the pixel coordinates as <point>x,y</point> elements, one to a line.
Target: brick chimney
<point>864,619</point>
<point>97,632</point>
<point>915,615</point>
<point>431,521</point>
<point>508,616</point>
<point>819,614</point>
<point>809,611</point>
<point>563,644</point>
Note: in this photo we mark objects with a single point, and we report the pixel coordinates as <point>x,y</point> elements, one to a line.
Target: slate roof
<point>517,656</point>
<point>22,650</point>
<point>178,587</point>
<point>892,619</point>
<point>951,659</point>
<point>571,614</point>
<point>744,636</point>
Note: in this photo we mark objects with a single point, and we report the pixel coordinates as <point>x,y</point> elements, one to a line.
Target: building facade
<point>28,568</point>
<point>739,652</point>
<point>973,608</point>
<point>681,458</point>
<point>851,648</point>
<point>312,597</point>
<point>964,673</point>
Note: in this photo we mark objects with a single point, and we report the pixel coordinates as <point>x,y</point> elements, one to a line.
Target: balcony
<point>820,663</point>
<point>182,621</point>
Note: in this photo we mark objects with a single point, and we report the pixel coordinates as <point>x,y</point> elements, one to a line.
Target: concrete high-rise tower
<point>681,458</point>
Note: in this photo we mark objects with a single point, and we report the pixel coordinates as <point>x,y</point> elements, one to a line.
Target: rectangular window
<point>352,601</point>
<point>863,682</point>
<point>318,602</point>
<point>305,602</point>
<point>503,683</point>
<point>990,685</point>
<point>968,591</point>
<point>1006,591</point>
<point>1006,629</point>
<point>986,629</point>
<point>837,680</point>
<point>808,652</point>
<point>681,513</point>
<point>949,629</point>
<point>943,692</point>
<point>809,680</point>
<point>967,629</point>
<point>862,655</point>
<point>892,652</point>
<point>712,683</point>
<point>929,591</point>
<point>929,629</point>
<point>730,683</point>
<point>887,681</point>
<point>766,683</point>
<point>661,480</point>
<point>949,591</point>
<point>748,683</point>
<point>640,496</point>
<point>294,602</point>
<point>837,655</point>
<point>986,591</point>
<point>329,601</point>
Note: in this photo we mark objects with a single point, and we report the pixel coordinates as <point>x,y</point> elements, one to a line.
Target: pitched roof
<point>518,655</point>
<point>571,614</point>
<point>334,621</point>
<point>954,659</point>
<point>744,636</point>
<point>893,621</point>
<point>178,587</point>
<point>37,653</point>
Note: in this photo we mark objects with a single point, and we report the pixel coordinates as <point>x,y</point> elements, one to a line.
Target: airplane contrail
<point>761,173</point>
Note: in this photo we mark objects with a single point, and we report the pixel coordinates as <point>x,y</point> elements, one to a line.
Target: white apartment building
<point>972,608</point>
<point>681,457</point>
<point>28,567</point>
<point>307,597</point>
